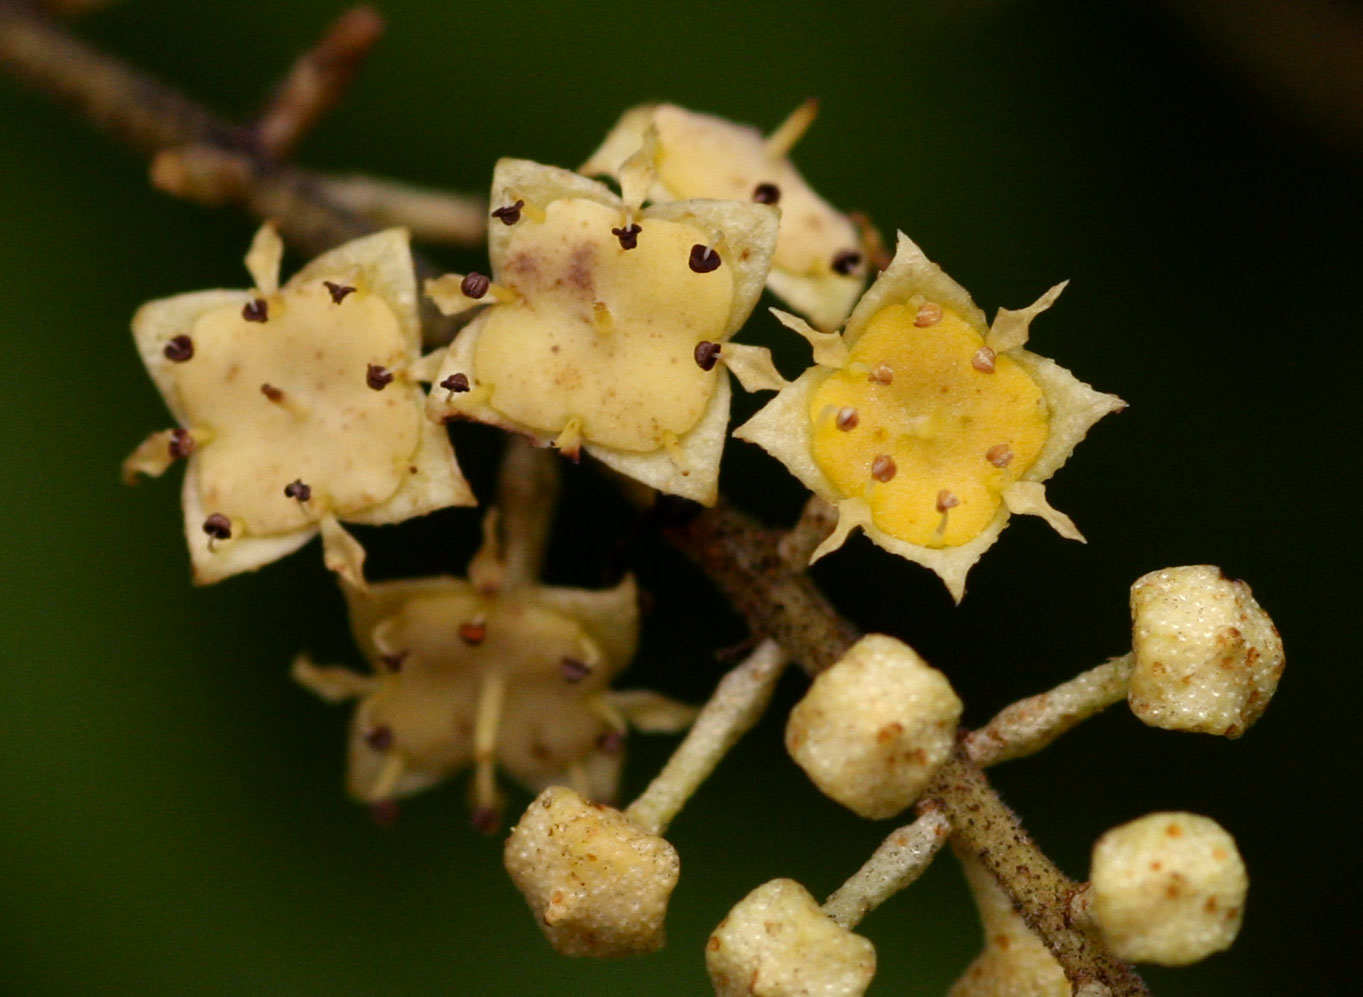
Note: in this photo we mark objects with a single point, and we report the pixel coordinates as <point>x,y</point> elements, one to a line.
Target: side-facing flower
<point>926,426</point>
<point>475,672</point>
<point>297,407</point>
<point>818,268</point>
<point>607,322</point>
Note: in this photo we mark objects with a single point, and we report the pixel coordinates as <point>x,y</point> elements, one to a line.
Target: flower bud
<point>597,884</point>
<point>1168,888</point>
<point>778,943</point>
<point>1207,658</point>
<point>875,727</point>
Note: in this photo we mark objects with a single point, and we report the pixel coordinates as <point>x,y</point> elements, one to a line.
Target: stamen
<point>179,349</point>
<point>983,360</point>
<point>378,376</point>
<point>883,468</point>
<point>628,236</point>
<point>881,374</point>
<point>393,662</point>
<point>1000,455</point>
<point>946,500</point>
<point>379,738</point>
<point>181,443</point>
<point>256,311</point>
<point>611,741</point>
<point>928,314</point>
<point>275,395</point>
<point>456,383</point>
<point>706,354</point>
<point>509,214</point>
<point>846,262</point>
<point>473,633</point>
<point>766,193</point>
<point>474,285</point>
<point>295,489</point>
<point>486,820</point>
<point>218,527</point>
<point>703,259</point>
<point>338,292</point>
<point>574,670</point>
<point>847,418</point>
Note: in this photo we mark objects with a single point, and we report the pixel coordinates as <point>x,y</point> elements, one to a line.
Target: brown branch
<point>195,154</point>
<point>318,80</point>
<point>198,154</point>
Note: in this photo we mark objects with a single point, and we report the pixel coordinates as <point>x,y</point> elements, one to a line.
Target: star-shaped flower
<point>488,673</point>
<point>926,426</point>
<point>297,407</point>
<point>818,268</point>
<point>607,322</point>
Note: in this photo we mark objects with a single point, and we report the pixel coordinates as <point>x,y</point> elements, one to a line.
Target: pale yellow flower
<point>607,322</point>
<point>926,426</point>
<point>819,267</point>
<point>296,407</point>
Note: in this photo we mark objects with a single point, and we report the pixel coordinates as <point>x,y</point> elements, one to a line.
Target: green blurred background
<point>171,813</point>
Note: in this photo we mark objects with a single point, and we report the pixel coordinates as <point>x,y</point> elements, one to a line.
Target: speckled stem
<point>1025,727</point>
<point>1040,892</point>
<point>900,859</point>
<point>738,702</point>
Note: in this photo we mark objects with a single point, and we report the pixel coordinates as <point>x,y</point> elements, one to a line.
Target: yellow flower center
<point>927,424</point>
<point>318,421</point>
<point>602,334</point>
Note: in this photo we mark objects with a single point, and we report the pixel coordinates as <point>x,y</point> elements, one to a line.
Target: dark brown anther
<point>846,262</point>
<point>295,489</point>
<point>574,670</point>
<point>706,354</point>
<point>883,468</point>
<point>271,392</point>
<point>473,633</point>
<point>456,383</point>
<point>611,742</point>
<point>384,813</point>
<point>179,349</point>
<point>379,738</point>
<point>946,500</point>
<point>218,527</point>
<point>847,418</point>
<point>378,376</point>
<point>983,360</point>
<point>1000,455</point>
<point>766,193</point>
<point>628,236</point>
<point>181,443</point>
<point>486,820</point>
<point>338,292</point>
<point>703,259</point>
<point>881,374</point>
<point>509,214</point>
<point>474,285</point>
<point>393,662</point>
<point>256,311</point>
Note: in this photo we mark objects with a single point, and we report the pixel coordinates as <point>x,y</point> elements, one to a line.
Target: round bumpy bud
<point>1207,658</point>
<point>597,884</point>
<point>874,728</point>
<point>776,942</point>
<point>1168,888</point>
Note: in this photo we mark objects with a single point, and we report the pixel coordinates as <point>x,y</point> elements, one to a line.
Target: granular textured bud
<point>776,942</point>
<point>597,884</point>
<point>1207,658</point>
<point>1168,888</point>
<point>874,728</point>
